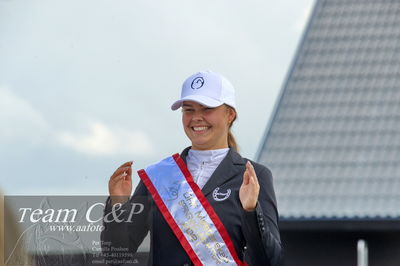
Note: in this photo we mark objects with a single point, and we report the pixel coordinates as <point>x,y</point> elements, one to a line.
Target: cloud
<point>102,140</point>
<point>20,121</point>
<point>22,124</point>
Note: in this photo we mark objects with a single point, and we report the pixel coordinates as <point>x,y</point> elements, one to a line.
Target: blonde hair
<point>231,139</point>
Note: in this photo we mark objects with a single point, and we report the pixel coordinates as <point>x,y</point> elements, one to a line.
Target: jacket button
<point>186,264</point>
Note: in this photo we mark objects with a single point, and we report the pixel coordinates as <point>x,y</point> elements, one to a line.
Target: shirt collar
<point>207,155</point>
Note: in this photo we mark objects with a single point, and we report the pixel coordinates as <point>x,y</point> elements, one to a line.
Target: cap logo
<point>197,83</point>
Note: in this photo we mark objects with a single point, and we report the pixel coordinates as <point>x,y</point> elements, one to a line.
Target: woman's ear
<point>231,115</point>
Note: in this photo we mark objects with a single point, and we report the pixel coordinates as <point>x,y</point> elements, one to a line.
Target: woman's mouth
<point>200,129</point>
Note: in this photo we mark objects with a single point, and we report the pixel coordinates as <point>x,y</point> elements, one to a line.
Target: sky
<point>87,85</point>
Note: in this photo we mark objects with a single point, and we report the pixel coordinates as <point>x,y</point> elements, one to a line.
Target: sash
<point>188,213</point>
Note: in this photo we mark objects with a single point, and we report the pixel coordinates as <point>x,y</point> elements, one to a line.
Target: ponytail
<point>231,139</point>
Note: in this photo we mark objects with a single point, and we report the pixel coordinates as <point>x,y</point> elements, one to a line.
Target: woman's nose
<point>197,116</point>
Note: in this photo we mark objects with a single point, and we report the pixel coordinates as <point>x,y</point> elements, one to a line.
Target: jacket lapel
<point>226,170</point>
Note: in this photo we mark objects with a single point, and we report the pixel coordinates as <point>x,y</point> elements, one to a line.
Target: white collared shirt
<point>202,164</point>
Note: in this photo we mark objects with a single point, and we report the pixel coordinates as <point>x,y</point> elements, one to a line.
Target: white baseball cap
<point>207,88</point>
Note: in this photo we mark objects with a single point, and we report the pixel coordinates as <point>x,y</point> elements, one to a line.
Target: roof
<point>333,142</point>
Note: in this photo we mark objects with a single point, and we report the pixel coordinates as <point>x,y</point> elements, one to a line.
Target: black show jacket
<point>255,234</point>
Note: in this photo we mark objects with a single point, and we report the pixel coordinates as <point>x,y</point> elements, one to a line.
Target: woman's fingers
<point>117,178</point>
<point>119,172</point>
<point>249,190</point>
<point>252,172</point>
<point>126,164</point>
<point>249,175</point>
<point>123,173</point>
<point>246,177</point>
<point>126,167</point>
<point>129,172</point>
<point>123,167</point>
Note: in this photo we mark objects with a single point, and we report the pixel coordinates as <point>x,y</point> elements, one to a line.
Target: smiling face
<point>206,127</point>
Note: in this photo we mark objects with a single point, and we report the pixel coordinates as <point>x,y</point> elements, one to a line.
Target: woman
<point>236,194</point>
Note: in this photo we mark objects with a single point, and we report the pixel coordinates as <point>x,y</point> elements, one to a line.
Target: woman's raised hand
<point>120,184</point>
<point>249,189</point>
